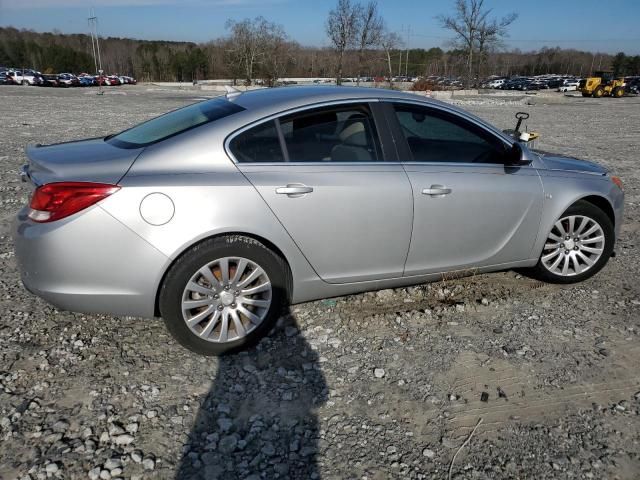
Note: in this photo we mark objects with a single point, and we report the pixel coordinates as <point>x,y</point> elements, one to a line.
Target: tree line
<point>361,45</point>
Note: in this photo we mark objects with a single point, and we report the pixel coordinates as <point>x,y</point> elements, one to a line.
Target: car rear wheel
<point>224,294</point>
<point>578,246</point>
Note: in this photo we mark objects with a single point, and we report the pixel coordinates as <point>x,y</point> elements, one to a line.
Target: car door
<point>470,210</point>
<point>323,173</point>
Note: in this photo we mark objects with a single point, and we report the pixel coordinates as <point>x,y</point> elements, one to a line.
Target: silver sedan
<point>215,215</point>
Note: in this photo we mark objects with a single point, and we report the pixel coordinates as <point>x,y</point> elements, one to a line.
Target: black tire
<point>618,92</point>
<point>598,92</point>
<point>187,264</point>
<point>586,209</point>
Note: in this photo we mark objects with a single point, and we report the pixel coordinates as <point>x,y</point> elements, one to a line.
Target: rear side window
<point>337,134</point>
<point>434,136</point>
<point>259,144</point>
<point>175,122</point>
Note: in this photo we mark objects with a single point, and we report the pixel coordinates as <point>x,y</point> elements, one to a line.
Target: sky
<point>594,25</point>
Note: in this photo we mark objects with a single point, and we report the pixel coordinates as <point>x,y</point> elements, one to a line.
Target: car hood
<point>553,161</point>
<point>92,160</point>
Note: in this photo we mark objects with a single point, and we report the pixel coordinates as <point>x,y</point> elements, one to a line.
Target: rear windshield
<point>173,123</point>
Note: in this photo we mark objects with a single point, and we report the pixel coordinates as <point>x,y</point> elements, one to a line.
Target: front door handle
<point>436,190</point>
<point>294,190</point>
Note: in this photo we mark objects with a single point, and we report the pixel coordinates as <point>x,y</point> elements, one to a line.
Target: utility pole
<point>406,63</point>
<point>93,43</point>
<point>93,29</point>
<point>400,63</point>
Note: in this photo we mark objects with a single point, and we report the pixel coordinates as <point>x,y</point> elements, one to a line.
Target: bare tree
<point>490,35</point>
<point>465,24</point>
<point>370,32</point>
<point>342,28</point>
<point>389,41</point>
<point>474,29</point>
<point>279,56</point>
<point>248,43</point>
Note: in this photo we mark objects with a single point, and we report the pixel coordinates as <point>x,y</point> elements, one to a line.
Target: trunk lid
<point>92,160</point>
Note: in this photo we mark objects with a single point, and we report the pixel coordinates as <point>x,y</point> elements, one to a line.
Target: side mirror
<point>513,156</point>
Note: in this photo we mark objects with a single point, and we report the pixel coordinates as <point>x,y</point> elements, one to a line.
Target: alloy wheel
<point>226,299</point>
<point>574,245</point>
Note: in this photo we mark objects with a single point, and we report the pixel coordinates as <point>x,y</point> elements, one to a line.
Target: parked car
<point>5,79</point>
<point>512,83</point>
<point>68,80</point>
<point>496,83</point>
<point>540,84</point>
<point>555,82</point>
<point>295,194</point>
<point>569,86</point>
<point>112,80</point>
<point>125,80</point>
<point>517,84</point>
<point>534,85</point>
<point>632,85</point>
<point>86,81</point>
<point>49,80</point>
<point>25,77</point>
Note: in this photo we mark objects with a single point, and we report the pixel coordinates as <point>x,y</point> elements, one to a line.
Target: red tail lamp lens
<point>59,200</point>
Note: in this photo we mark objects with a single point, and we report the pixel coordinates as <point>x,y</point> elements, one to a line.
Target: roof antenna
<point>232,92</point>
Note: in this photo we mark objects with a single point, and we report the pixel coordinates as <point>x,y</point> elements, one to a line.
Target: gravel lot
<point>373,386</point>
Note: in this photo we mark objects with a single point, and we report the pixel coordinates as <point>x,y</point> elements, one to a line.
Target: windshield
<point>175,122</point>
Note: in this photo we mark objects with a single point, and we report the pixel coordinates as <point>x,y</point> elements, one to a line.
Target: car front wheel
<point>578,246</point>
<point>224,294</point>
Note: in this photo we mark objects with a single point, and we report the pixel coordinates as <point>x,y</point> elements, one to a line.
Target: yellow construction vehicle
<point>602,83</point>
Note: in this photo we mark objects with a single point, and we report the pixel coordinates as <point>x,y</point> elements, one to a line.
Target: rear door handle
<point>436,190</point>
<point>294,190</point>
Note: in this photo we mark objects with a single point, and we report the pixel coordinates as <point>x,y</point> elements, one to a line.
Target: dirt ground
<point>372,386</point>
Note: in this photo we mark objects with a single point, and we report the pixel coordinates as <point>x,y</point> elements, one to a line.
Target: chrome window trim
<point>450,165</point>
<point>276,116</point>
<point>302,164</point>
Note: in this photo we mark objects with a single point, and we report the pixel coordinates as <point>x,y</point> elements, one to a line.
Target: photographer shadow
<point>258,419</point>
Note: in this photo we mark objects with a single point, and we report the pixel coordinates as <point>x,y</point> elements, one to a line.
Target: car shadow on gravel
<point>258,419</point>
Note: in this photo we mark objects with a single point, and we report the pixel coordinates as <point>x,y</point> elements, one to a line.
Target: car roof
<point>282,98</point>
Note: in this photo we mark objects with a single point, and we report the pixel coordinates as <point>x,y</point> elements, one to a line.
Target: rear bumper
<point>88,263</point>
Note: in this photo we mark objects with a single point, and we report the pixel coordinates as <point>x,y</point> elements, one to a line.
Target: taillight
<point>54,201</point>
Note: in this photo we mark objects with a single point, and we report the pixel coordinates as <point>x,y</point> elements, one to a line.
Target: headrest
<point>354,134</point>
